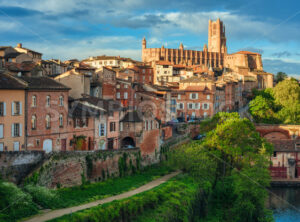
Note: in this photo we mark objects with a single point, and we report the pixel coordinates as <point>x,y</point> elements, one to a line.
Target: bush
<point>14,203</point>
<point>43,196</point>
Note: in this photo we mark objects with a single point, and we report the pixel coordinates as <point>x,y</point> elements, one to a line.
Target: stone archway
<point>127,142</point>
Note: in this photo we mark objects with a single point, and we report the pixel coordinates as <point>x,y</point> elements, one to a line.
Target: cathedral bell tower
<point>216,37</point>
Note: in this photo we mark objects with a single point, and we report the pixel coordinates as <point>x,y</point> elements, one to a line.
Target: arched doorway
<point>127,142</point>
<point>47,145</point>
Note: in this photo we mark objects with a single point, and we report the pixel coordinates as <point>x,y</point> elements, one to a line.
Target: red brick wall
<point>150,142</point>
<point>167,132</point>
<point>40,111</point>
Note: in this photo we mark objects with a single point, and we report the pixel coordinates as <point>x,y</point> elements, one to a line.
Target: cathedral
<point>214,55</point>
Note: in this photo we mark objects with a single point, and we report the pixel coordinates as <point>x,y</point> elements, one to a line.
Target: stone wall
<point>15,165</point>
<point>70,168</point>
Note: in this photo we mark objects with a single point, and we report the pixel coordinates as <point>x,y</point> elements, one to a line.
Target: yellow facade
<point>8,141</point>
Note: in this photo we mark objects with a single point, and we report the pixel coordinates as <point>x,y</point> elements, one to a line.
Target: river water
<point>285,203</point>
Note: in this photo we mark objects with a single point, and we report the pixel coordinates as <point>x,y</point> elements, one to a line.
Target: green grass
<point>66,197</point>
<point>171,201</point>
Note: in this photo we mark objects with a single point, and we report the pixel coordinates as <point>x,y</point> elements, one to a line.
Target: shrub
<point>14,203</point>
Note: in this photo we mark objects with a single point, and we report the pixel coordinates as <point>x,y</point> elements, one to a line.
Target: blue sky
<point>68,29</point>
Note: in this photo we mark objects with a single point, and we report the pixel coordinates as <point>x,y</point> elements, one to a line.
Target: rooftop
<point>43,83</point>
<point>132,116</point>
<point>10,82</point>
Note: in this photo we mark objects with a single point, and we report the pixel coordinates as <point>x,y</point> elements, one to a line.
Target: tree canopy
<point>278,105</point>
<point>232,164</point>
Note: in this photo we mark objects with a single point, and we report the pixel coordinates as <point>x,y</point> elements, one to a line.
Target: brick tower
<point>216,36</point>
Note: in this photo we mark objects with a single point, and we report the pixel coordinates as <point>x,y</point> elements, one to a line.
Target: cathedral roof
<point>247,53</point>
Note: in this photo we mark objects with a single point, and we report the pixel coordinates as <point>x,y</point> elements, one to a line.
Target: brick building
<point>47,114</point>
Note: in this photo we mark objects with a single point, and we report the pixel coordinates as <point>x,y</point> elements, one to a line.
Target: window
<point>150,78</point>
<point>179,96</point>
<point>1,146</point>
<point>1,131</point>
<point>112,126</point>
<point>61,101</point>
<point>274,154</point>
<point>37,142</point>
<point>208,97</point>
<point>48,121</point>
<point>33,101</point>
<point>173,101</point>
<point>48,101</point>
<point>121,126</point>
<point>61,120</point>
<point>180,106</point>
<point>125,86</point>
<point>33,122</point>
<point>125,95</point>
<point>2,108</point>
<point>194,96</point>
<point>102,129</point>
<point>143,78</point>
<point>118,86</point>
<point>118,95</point>
<point>205,106</point>
<point>144,70</point>
<point>16,130</point>
<point>190,106</point>
<point>197,105</point>
<point>173,109</point>
<point>135,95</point>
<point>16,108</point>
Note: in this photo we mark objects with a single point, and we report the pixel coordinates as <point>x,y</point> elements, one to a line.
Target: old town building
<point>47,114</point>
<point>12,113</point>
<point>35,56</point>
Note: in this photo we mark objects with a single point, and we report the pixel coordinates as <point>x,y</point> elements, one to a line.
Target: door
<point>63,144</point>
<point>16,146</point>
<point>110,143</point>
<point>47,145</point>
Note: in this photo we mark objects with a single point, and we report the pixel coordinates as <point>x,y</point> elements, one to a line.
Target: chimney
<point>19,45</point>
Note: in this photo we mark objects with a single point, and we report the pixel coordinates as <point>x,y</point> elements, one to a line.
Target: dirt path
<point>58,213</point>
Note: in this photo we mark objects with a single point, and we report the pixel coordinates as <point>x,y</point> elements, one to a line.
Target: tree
<point>280,76</point>
<point>287,94</point>
<point>262,110</point>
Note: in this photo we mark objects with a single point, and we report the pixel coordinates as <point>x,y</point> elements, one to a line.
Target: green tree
<point>287,94</point>
<point>280,76</point>
<point>262,109</point>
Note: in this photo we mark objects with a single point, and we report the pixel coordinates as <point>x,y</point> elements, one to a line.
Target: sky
<point>67,29</point>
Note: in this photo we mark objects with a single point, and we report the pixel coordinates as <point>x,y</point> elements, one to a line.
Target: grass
<point>41,197</point>
<point>171,201</point>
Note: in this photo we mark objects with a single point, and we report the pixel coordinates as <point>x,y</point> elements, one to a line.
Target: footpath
<point>58,213</point>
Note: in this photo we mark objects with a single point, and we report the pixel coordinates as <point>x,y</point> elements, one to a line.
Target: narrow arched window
<point>33,122</point>
<point>61,101</point>
<point>48,101</point>
<point>33,101</point>
<point>61,120</point>
<point>48,121</point>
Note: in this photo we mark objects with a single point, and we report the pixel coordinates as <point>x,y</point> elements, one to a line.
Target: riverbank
<point>285,183</point>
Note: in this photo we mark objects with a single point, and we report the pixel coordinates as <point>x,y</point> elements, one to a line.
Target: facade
<point>286,157</point>
<point>80,83</point>
<point>47,114</point>
<point>53,67</point>
<point>12,113</point>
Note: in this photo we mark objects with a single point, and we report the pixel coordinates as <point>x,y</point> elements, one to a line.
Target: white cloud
<point>108,45</point>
